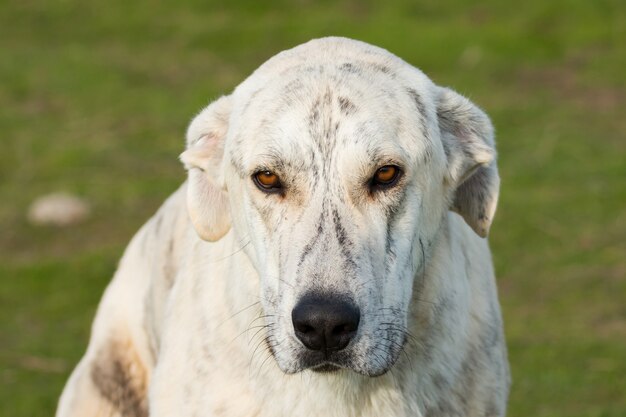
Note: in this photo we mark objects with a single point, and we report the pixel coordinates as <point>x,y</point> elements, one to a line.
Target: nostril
<point>344,329</point>
<point>304,328</point>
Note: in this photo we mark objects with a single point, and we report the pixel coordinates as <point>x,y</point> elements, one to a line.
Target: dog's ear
<point>472,174</point>
<point>207,201</point>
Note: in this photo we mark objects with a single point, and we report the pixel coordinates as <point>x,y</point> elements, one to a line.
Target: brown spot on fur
<point>120,377</point>
<point>350,68</point>
<point>220,410</point>
<point>382,68</point>
<point>346,106</point>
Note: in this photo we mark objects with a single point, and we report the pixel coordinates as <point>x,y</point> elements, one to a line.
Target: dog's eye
<point>386,176</point>
<point>267,181</point>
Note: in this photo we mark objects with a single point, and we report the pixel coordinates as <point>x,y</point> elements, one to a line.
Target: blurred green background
<point>95,98</point>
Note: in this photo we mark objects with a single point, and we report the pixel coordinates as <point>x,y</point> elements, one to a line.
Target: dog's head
<point>339,162</point>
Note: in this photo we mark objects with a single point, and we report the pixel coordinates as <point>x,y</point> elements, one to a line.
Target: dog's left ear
<point>207,201</point>
<point>472,174</point>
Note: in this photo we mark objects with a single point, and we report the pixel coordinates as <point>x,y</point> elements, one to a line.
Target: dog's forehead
<point>321,111</point>
<point>349,55</point>
<point>316,96</point>
<point>351,64</point>
<point>332,91</point>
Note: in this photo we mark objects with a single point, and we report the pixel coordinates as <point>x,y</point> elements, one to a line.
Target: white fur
<point>215,274</point>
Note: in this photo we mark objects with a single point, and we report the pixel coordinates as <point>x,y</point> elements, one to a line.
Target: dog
<point>325,256</point>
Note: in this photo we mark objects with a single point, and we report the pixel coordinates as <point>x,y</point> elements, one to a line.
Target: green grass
<point>95,97</point>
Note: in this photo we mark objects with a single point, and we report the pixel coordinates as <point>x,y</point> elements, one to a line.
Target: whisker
<point>238,312</point>
<point>261,341</point>
<point>423,257</point>
<point>269,342</point>
<point>244,332</point>
<point>267,326</point>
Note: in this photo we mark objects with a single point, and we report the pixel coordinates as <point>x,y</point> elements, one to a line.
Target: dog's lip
<point>319,363</point>
<point>322,363</point>
<point>325,367</point>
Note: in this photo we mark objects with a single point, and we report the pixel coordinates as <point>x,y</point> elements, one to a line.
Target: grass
<point>95,98</point>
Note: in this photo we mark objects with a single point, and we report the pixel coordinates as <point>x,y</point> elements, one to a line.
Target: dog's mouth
<point>339,361</point>
<point>325,368</point>
<point>346,363</point>
<point>324,362</point>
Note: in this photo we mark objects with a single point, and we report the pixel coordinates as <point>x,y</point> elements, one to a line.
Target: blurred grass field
<point>95,97</point>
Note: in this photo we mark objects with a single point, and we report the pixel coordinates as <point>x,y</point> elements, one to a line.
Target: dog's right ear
<point>207,201</point>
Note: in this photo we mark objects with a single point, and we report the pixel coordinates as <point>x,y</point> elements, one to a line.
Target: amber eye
<point>385,176</point>
<point>267,181</point>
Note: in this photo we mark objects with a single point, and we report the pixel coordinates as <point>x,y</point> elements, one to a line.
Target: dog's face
<point>338,163</point>
<point>331,180</point>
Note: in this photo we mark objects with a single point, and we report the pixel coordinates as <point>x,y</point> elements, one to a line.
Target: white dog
<point>324,258</point>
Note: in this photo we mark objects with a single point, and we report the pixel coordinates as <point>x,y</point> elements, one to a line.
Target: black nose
<point>325,324</point>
